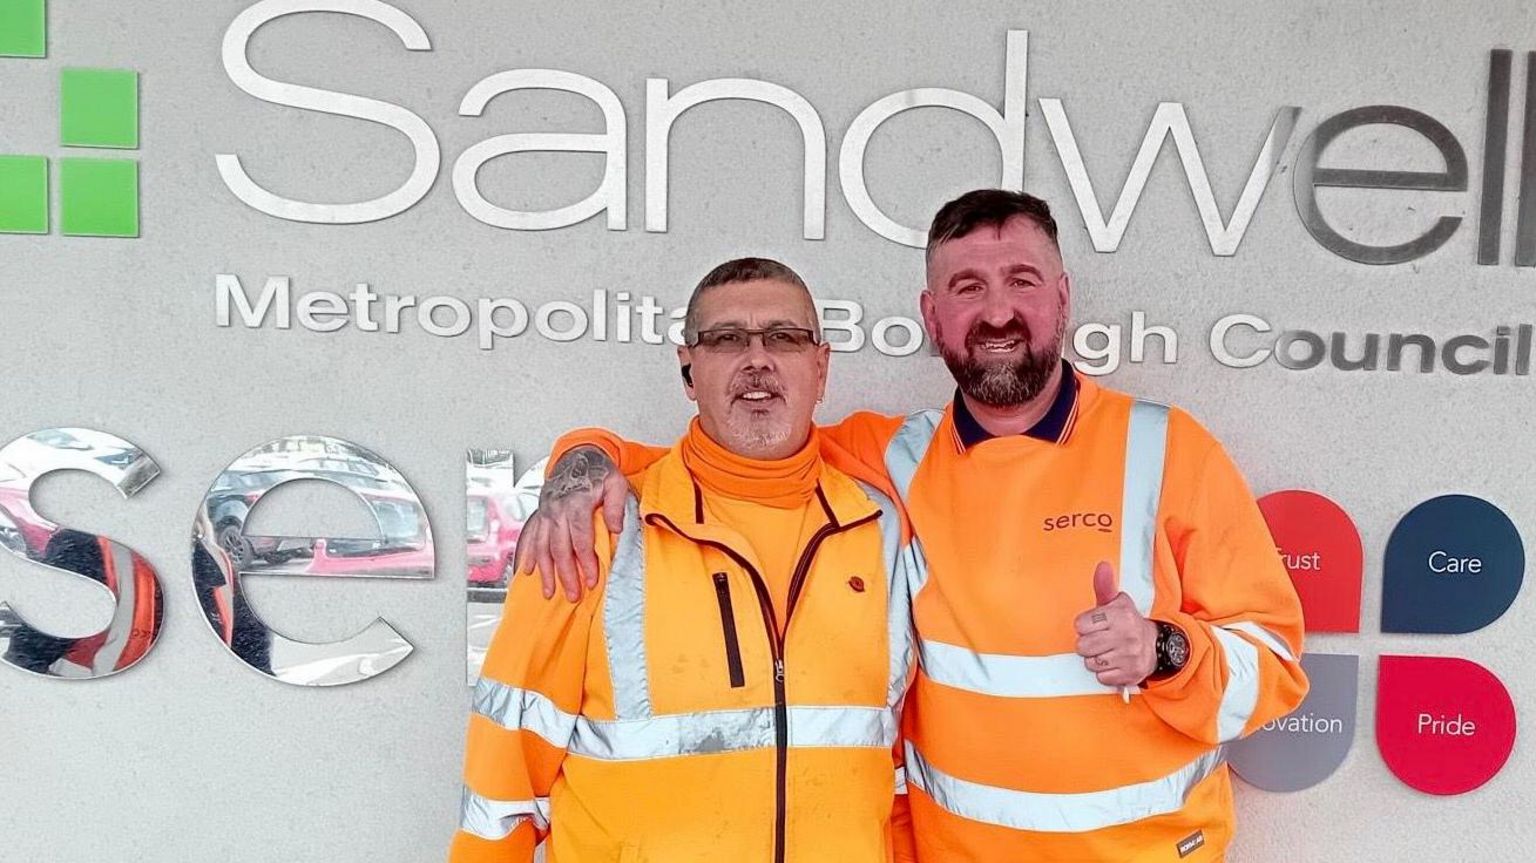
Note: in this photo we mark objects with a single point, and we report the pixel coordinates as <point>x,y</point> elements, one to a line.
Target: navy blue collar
<point>1052,427</point>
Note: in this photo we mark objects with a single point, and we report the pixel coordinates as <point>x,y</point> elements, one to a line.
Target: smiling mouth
<point>757,397</point>
<point>996,346</point>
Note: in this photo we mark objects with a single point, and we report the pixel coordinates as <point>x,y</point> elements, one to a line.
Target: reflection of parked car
<point>229,503</point>
<point>405,546</point>
<point>492,540</point>
<point>65,449</point>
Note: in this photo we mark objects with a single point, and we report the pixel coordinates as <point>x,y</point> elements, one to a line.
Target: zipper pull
<point>778,670</point>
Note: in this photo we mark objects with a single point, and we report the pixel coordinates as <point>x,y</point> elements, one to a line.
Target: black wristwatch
<point>1172,651</point>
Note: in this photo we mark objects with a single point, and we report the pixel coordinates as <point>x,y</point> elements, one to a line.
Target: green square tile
<point>23,194</point>
<point>23,28</point>
<point>99,108</point>
<point>99,197</point>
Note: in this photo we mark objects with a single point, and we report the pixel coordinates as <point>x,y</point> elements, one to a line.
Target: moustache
<point>985,332</point>
<point>756,382</point>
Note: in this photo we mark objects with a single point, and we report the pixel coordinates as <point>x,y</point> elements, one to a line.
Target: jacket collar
<point>670,491</point>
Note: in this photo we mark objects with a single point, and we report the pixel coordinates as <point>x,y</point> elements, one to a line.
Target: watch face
<point>1178,649</point>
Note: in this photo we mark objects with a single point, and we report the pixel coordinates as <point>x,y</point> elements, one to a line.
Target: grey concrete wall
<point>190,756</point>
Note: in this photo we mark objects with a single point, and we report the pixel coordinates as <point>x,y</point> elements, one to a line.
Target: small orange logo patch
<point>857,584</point>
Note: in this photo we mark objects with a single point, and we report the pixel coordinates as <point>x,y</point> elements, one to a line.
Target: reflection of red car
<point>492,540</point>
<point>404,550</point>
<point>21,528</point>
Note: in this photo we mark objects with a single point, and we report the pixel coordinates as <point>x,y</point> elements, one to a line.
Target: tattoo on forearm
<point>581,469</point>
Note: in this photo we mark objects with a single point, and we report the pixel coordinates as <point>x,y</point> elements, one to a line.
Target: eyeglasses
<point>735,340</point>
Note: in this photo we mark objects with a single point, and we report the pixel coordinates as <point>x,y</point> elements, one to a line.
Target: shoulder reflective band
<point>1059,813</point>
<point>717,731</point>
<point>496,819</point>
<point>1145,444</point>
<point>906,450</point>
<point>518,709</point>
<point>624,619</point>
<point>904,565</point>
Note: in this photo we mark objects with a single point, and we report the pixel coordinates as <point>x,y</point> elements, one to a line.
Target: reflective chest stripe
<point>1060,813</point>
<point>672,735</point>
<point>1008,675</point>
<point>716,731</point>
<point>624,619</point>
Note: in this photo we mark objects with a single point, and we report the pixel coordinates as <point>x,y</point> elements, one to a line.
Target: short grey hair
<point>732,272</point>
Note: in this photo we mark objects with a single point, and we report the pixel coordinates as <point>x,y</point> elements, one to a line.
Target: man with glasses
<point>731,691</point>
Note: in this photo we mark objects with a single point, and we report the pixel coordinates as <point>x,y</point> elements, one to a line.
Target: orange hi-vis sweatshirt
<point>1014,750</point>
<point>730,691</point>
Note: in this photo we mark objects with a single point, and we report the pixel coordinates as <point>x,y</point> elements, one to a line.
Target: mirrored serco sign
<point>133,584</point>
<point>223,553</point>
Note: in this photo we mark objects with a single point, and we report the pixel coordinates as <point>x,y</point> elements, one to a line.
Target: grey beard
<point>1003,384</point>
<point>754,437</point>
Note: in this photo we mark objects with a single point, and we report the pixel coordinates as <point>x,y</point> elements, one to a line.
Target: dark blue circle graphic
<point>1454,564</point>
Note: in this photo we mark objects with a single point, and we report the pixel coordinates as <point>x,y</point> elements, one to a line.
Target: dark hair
<point>738,270</point>
<point>988,208</point>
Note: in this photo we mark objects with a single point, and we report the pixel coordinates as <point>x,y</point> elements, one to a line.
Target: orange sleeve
<point>856,446</point>
<point>525,709</point>
<point>1239,609</point>
<point>631,457</point>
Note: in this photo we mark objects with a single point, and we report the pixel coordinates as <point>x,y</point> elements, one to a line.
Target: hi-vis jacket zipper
<point>776,640</point>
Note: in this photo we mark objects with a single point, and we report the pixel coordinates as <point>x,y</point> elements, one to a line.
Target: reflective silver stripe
<point>522,709</point>
<point>496,819</point>
<point>1242,691</point>
<point>1145,444</point>
<point>731,731</point>
<point>1264,637</point>
<point>901,780</point>
<point>901,562</point>
<point>1008,676</point>
<point>906,450</point>
<point>624,619</point>
<point>1060,813</point>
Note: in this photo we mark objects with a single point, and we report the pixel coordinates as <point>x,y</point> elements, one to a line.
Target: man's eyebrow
<point>739,325</point>
<point>973,273</point>
<point>1026,268</point>
<point>967,273</point>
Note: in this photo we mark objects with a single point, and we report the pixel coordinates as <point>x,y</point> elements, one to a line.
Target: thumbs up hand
<point>1117,644</point>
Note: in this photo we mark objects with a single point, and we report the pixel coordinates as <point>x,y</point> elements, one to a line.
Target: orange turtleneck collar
<point>784,483</point>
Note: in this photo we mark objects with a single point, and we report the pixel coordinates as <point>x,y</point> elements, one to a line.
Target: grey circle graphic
<point>1305,747</point>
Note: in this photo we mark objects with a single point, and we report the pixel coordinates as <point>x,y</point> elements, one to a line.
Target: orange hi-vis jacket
<point>1014,750</point>
<point>665,718</point>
